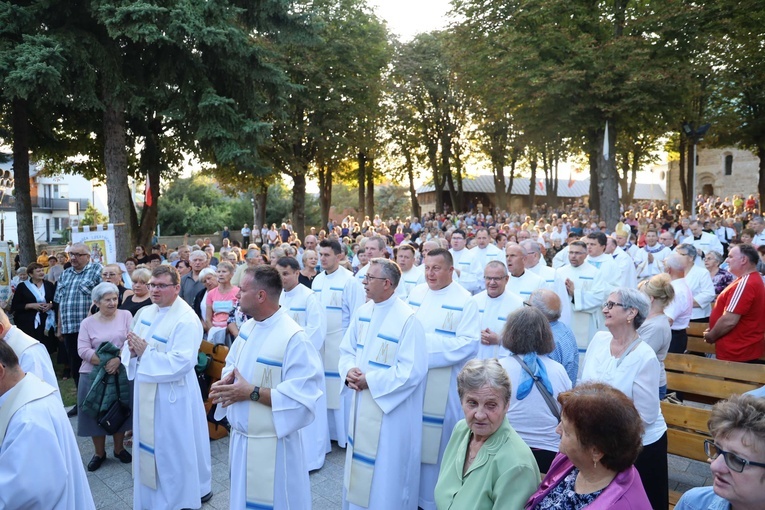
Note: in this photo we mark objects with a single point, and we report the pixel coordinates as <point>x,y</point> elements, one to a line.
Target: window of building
<point>729,164</point>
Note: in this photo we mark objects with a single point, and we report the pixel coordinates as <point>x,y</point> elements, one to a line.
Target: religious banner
<point>100,242</point>
<point>5,273</point>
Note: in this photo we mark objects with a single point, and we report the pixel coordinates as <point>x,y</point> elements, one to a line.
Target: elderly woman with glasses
<point>486,464</point>
<point>619,357</point>
<point>737,455</point>
<point>720,277</point>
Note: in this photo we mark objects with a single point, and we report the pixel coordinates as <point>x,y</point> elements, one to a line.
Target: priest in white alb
<point>173,467</point>
<point>40,463</point>
<point>450,319</point>
<point>534,262</point>
<point>649,260</point>
<point>463,260</point>
<point>586,292</point>
<point>340,294</point>
<point>494,305</point>
<point>482,253</point>
<point>302,305</point>
<point>604,263</point>
<point>411,275</point>
<point>521,282</point>
<point>627,274</point>
<point>268,392</point>
<point>384,362</point>
<point>33,356</point>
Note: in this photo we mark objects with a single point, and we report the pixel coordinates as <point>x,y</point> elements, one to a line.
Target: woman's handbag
<point>118,413</point>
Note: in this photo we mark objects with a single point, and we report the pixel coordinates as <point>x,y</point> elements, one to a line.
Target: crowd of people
<point>457,358</point>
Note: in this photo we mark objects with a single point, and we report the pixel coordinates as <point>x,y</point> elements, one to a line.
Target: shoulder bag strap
<point>549,400</point>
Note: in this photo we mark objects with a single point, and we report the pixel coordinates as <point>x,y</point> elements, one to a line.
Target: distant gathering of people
<point>476,360</point>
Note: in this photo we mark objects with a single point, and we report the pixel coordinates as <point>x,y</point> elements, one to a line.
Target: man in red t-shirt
<point>736,325</point>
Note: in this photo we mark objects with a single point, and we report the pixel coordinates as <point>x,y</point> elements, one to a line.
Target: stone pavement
<point>112,485</point>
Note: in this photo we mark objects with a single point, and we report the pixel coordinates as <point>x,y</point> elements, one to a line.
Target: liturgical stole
<point>148,391</point>
<point>330,353</point>
<point>261,433</point>
<point>363,439</point>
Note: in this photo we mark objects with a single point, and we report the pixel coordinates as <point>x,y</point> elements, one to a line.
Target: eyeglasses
<point>733,461</point>
<point>71,254</point>
<point>494,279</point>
<point>610,304</point>
<point>160,286</point>
<point>367,278</point>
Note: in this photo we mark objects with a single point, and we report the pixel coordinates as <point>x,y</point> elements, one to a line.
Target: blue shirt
<point>566,351</point>
<point>759,392</point>
<point>702,498</point>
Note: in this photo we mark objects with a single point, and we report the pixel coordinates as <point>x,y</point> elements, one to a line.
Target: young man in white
<point>649,260</point>
<point>302,305</point>
<point>450,319</point>
<point>40,463</point>
<point>494,305</point>
<point>597,257</point>
<point>340,294</point>
<point>586,292</point>
<point>463,259</point>
<point>268,392</point>
<point>521,282</point>
<point>624,262</point>
<point>704,242</point>
<point>384,361</point>
<point>411,275</point>
<point>699,281</point>
<point>374,247</point>
<point>680,308</point>
<point>173,465</point>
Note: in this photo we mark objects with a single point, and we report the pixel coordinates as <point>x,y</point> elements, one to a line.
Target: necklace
<point>584,486</point>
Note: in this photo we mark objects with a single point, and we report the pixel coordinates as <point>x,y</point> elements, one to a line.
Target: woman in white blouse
<point>622,359</point>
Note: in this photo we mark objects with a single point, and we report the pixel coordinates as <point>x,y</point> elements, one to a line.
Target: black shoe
<point>124,456</point>
<point>96,462</point>
<point>72,412</point>
<point>207,497</point>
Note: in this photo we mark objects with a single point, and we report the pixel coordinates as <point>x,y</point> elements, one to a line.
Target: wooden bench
<point>217,355</point>
<point>696,343</point>
<point>705,381</point>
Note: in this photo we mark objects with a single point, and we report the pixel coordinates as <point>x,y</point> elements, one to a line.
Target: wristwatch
<point>255,395</point>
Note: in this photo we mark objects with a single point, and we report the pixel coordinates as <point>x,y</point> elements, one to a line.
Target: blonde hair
<point>659,287</point>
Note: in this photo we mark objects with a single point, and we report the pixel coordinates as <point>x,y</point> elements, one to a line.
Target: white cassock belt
<point>364,440</point>
<point>331,351</point>
<point>261,433</point>
<point>29,389</point>
<point>437,393</point>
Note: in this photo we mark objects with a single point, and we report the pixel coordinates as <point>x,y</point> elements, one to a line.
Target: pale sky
<point>406,18</point>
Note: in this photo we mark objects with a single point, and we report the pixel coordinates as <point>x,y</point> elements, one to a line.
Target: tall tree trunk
<point>151,165</point>
<point>608,185</point>
<point>681,172</point>
<point>460,189</point>
<point>24,224</point>
<point>690,179</point>
<point>412,190</point>
<point>361,177</point>
<point>261,202</point>
<point>552,190</point>
<point>298,202</point>
<point>624,160</point>
<point>533,181</point>
<point>636,156</point>
<point>509,194</point>
<point>446,168</point>
<point>370,190</point>
<point>325,192</point>
<point>118,195</point>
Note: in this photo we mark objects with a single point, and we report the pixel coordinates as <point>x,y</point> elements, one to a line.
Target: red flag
<point>571,182</point>
<point>148,199</point>
<point>541,185</point>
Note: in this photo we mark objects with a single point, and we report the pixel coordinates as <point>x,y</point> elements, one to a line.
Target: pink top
<point>221,305</point>
<point>94,332</point>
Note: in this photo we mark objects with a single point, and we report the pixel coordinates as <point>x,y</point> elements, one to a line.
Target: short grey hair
<point>675,261</point>
<point>531,246</point>
<point>102,289</point>
<point>379,240</point>
<point>715,255</point>
<point>199,254</point>
<point>252,253</point>
<point>539,298</point>
<point>633,298</point>
<point>390,269</point>
<point>497,264</point>
<point>204,272</point>
<point>478,373</point>
<point>692,252</point>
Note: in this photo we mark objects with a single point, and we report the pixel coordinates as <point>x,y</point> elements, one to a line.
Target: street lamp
<point>694,135</point>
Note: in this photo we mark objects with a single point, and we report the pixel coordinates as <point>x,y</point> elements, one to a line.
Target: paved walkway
<point>112,484</point>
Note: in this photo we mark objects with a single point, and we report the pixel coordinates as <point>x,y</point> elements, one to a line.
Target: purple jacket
<point>625,492</point>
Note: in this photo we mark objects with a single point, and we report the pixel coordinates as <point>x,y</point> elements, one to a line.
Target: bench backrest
<point>709,380</point>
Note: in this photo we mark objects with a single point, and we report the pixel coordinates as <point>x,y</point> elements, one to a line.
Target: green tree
<point>92,216</point>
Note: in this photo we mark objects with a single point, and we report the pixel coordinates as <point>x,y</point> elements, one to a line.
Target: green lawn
<point>68,390</point>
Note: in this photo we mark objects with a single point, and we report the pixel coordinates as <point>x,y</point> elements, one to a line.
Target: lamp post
<point>695,136</point>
